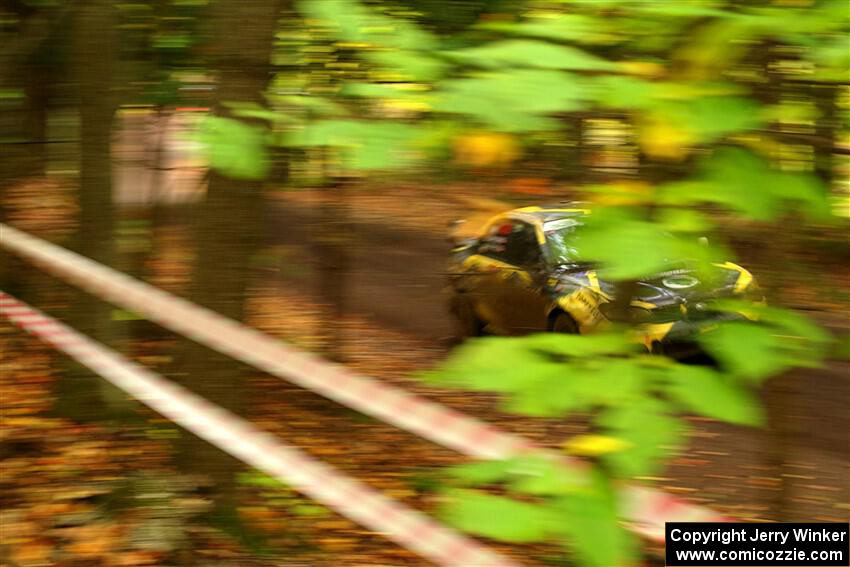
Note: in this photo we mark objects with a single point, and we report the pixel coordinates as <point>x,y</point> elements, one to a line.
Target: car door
<point>510,287</point>
<point>487,272</point>
<point>522,283</point>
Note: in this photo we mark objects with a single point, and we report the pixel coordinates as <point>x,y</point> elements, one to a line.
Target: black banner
<point>758,545</point>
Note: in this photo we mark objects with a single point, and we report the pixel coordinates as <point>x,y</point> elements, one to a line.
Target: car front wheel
<point>466,321</point>
<point>563,323</point>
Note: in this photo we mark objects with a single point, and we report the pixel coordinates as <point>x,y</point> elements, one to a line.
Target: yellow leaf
<point>93,542</point>
<point>486,149</point>
<point>624,192</point>
<point>712,48</point>
<point>764,145</point>
<point>642,68</point>
<point>412,106</point>
<point>34,553</point>
<point>337,544</point>
<point>594,445</point>
<point>660,139</point>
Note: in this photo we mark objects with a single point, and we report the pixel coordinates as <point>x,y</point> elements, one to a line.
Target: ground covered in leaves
<point>109,494</point>
<point>79,494</point>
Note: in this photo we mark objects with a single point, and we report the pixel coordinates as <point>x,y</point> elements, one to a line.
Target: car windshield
<point>561,241</point>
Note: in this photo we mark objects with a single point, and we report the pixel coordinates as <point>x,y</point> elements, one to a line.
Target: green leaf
<point>543,400</point>
<point>352,21</point>
<point>558,26</point>
<point>681,10</point>
<point>578,345</point>
<point>790,324</point>
<point>794,340</point>
<point>233,148</point>
<point>746,350</point>
<point>365,145</point>
<point>650,431</point>
<point>315,104</point>
<point>540,475</point>
<point>684,220</point>
<point>715,46</point>
<point>254,110</point>
<point>626,246</point>
<point>413,66</point>
<point>551,396</point>
<point>591,524</point>
<point>374,90</point>
<point>803,189</point>
<point>704,119</point>
<point>708,393</point>
<point>497,517</point>
<point>616,381</point>
<point>699,255</point>
<point>710,118</point>
<point>532,371</point>
<point>743,182</point>
<point>619,91</point>
<point>531,53</point>
<point>481,472</point>
<point>512,101</point>
<point>576,385</point>
<point>832,58</point>
<point>735,178</point>
<point>495,364</point>
<point>791,112</point>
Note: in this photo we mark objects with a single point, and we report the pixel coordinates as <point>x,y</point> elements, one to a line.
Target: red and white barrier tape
<point>647,509</point>
<point>409,528</point>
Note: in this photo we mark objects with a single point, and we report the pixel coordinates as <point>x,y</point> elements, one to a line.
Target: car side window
<point>494,243</point>
<point>525,248</point>
<point>511,241</point>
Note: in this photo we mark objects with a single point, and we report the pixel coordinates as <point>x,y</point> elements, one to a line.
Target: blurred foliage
<point>696,88</point>
<point>277,495</point>
<point>367,87</point>
<point>234,148</point>
<point>634,402</point>
<point>693,82</point>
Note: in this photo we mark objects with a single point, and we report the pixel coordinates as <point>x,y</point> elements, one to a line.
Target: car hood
<point>684,284</point>
<point>676,285</point>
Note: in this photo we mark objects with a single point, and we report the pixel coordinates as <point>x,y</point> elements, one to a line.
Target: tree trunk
<point>779,397</point>
<point>23,131</point>
<point>228,226</point>
<point>93,71</point>
<point>37,90</point>
<point>82,395</point>
<point>334,240</point>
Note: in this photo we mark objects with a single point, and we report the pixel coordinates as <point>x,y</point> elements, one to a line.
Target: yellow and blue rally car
<point>521,275</point>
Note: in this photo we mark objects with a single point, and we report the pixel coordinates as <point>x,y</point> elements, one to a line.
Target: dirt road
<point>803,460</point>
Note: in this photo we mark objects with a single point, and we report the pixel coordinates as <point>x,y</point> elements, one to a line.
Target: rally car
<point>521,275</point>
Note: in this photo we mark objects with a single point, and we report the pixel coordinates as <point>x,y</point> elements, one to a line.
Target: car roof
<point>547,213</point>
